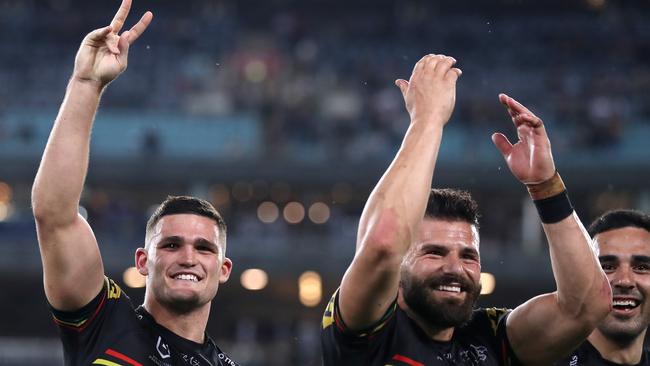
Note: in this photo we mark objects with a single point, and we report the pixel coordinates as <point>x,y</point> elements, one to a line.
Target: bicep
<point>368,289</point>
<point>540,333</point>
<point>73,273</point>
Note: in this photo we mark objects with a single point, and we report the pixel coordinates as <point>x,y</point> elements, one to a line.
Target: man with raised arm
<point>184,254</point>
<point>623,240</point>
<point>408,296</point>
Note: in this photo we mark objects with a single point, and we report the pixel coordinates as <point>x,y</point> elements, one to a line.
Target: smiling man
<point>623,238</point>
<point>408,296</point>
<point>184,257</point>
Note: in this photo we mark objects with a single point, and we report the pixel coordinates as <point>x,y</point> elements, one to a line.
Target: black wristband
<point>555,208</point>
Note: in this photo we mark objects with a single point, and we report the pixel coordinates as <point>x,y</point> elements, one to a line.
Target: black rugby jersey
<point>396,340</point>
<point>588,355</point>
<point>109,331</point>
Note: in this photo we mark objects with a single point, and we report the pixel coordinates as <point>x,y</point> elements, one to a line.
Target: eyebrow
<point>641,258</point>
<point>635,258</point>
<point>608,258</point>
<point>432,246</point>
<point>200,241</point>
<point>207,242</point>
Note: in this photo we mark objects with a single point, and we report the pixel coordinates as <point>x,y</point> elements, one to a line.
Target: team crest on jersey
<point>163,348</point>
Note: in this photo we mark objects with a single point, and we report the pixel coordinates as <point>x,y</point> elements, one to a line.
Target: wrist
<point>548,188</point>
<point>551,199</point>
<point>429,122</point>
<point>86,83</point>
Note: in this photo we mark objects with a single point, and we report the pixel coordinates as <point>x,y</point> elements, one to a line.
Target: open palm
<point>530,159</point>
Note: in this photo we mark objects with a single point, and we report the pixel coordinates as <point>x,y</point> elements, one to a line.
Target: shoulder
<point>110,300</point>
<point>489,318</point>
<point>332,320</point>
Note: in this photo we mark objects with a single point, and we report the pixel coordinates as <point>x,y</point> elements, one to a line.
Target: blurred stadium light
<point>266,115</point>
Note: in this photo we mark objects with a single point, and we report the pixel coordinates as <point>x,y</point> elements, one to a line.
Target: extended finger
<point>514,105</point>
<point>136,31</point>
<point>118,20</point>
<point>504,99</point>
<point>502,144</point>
<point>529,120</point>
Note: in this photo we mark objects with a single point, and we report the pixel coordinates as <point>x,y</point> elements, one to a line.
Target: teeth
<point>449,288</point>
<point>187,277</point>
<point>624,303</point>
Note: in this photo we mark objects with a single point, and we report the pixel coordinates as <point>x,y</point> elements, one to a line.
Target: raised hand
<point>530,159</point>
<point>430,94</point>
<point>103,54</point>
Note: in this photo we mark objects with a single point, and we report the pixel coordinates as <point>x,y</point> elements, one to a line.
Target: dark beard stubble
<point>439,313</point>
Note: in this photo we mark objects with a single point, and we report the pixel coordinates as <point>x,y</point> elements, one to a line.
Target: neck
<point>189,325</point>
<point>442,334</point>
<point>625,354</point>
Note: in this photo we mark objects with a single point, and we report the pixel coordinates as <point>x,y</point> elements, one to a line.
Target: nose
<point>623,278</point>
<point>187,255</point>
<point>452,265</point>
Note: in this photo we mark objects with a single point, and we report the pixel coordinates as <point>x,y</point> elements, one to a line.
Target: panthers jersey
<point>396,340</point>
<point>109,331</point>
<point>588,355</point>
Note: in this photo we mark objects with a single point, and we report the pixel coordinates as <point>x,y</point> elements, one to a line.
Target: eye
<point>608,267</point>
<point>434,252</point>
<point>205,248</point>
<point>170,245</point>
<point>642,268</point>
<point>470,256</point>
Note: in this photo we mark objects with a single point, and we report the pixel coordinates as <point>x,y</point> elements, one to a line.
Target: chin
<point>184,304</point>
<point>622,331</point>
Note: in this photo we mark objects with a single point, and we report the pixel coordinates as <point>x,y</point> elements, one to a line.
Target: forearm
<point>60,178</point>
<point>582,287</point>
<point>402,192</point>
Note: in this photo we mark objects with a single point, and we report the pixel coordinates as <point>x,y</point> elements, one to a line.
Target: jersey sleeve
<point>82,331</point>
<point>342,346</point>
<point>496,318</point>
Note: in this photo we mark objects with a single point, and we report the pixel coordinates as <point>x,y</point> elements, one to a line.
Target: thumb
<point>502,144</point>
<point>99,34</point>
<point>402,85</point>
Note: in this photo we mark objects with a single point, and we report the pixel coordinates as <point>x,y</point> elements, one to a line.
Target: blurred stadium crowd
<point>314,81</point>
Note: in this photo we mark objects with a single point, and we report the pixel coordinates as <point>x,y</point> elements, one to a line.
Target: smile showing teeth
<point>186,277</point>
<point>449,288</point>
<point>625,304</point>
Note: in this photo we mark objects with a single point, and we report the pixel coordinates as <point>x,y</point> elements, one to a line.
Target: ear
<point>141,261</point>
<point>226,268</point>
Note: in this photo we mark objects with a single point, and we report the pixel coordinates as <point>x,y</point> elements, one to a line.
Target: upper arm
<point>73,273</point>
<point>370,284</point>
<point>540,333</point>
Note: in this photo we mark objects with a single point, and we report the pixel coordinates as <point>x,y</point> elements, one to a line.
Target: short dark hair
<point>617,219</point>
<point>452,204</point>
<point>188,205</point>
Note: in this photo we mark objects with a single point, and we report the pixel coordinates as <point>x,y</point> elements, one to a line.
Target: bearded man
<point>408,296</point>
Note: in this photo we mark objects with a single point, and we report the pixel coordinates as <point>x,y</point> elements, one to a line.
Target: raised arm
<point>549,326</point>
<point>72,267</point>
<point>396,206</point>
